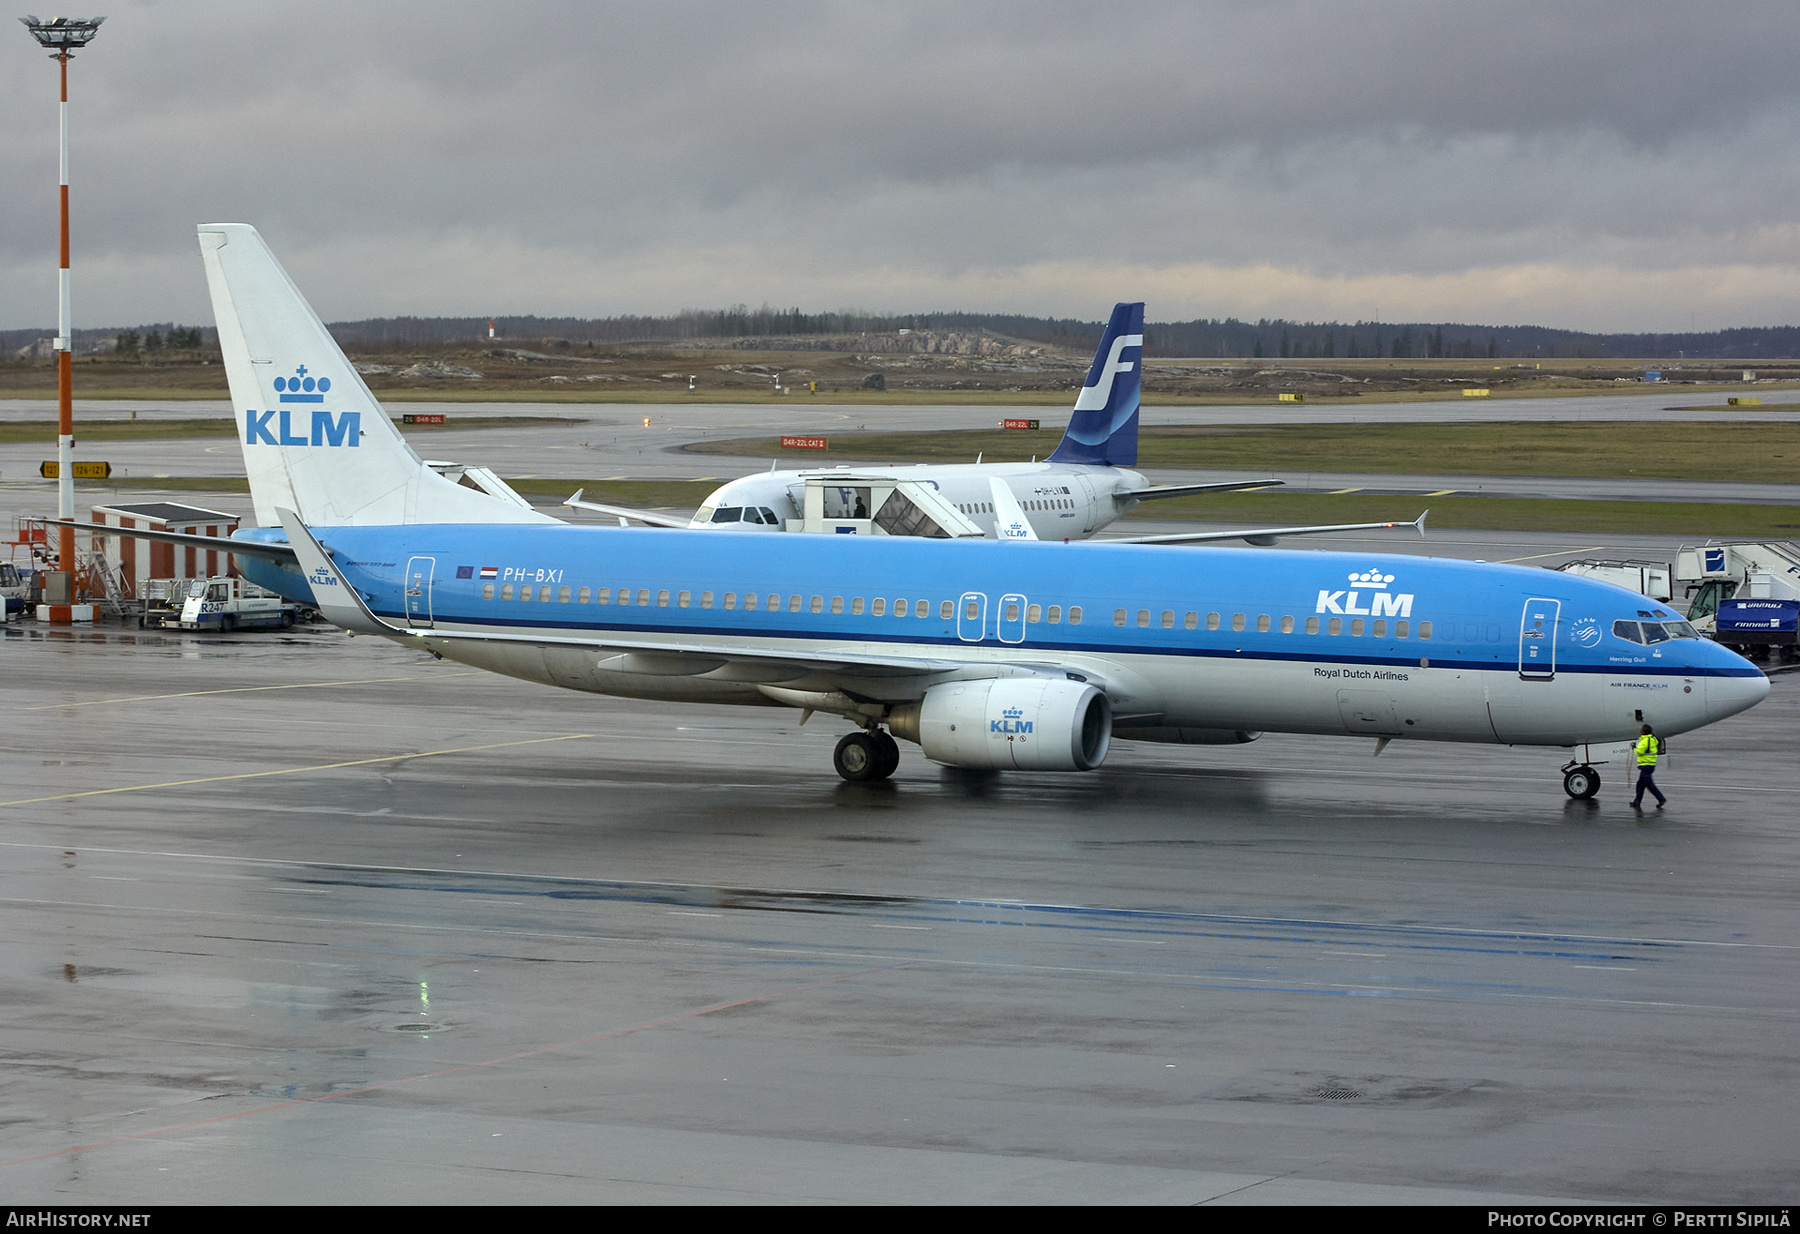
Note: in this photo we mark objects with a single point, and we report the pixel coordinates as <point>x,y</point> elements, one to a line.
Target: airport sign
<point>82,471</point>
<point>804,443</point>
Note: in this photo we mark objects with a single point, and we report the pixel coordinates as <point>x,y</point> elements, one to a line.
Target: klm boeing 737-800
<point>1033,655</point>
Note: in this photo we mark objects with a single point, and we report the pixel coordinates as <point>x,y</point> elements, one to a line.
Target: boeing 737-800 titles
<point>1033,655</point>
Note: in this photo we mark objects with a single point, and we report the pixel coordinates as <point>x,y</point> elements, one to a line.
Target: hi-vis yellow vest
<point>1648,747</point>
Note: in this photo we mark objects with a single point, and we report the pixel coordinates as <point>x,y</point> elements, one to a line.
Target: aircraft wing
<point>1263,535</point>
<point>226,544</point>
<point>642,516</point>
<point>1191,490</point>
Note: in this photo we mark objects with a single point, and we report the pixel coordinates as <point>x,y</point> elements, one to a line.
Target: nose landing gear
<point>865,757</point>
<point>1580,781</point>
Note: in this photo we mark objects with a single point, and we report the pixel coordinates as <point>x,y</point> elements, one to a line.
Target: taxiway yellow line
<point>290,771</point>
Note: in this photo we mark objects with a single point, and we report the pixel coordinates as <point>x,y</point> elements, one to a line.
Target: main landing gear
<point>1580,781</point>
<point>865,757</point>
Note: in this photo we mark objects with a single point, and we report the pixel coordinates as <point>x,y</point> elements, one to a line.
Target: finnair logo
<point>1012,723</point>
<point>276,428</point>
<point>1098,395</point>
<point>1371,586</point>
<point>302,389</point>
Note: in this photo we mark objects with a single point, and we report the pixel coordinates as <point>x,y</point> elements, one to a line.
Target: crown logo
<point>1013,713</point>
<point>1371,578</point>
<point>302,389</point>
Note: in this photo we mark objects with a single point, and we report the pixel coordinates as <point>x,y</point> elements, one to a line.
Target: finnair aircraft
<point>1033,655</point>
<point>1083,486</point>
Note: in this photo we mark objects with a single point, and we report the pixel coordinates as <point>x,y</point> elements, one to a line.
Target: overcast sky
<point>1619,165</point>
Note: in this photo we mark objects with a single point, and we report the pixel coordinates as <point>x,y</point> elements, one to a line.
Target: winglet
<point>341,604</point>
<point>1010,522</point>
<point>1420,524</point>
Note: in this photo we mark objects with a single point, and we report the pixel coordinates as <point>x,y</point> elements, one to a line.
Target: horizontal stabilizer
<point>627,512</point>
<point>226,544</point>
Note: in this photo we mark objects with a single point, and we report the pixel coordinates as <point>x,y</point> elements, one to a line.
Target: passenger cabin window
<point>1401,628</point>
<point>879,607</point>
<point>1356,627</point>
<point>1034,613</point>
<point>1424,629</point>
<point>487,591</point>
<point>731,600</point>
<point>584,595</point>
<point>1237,621</point>
<point>1143,617</point>
<point>1118,616</point>
<point>793,604</point>
<point>1287,625</point>
<point>706,599</point>
<point>643,598</point>
<point>1336,627</point>
<point>837,604</point>
<point>1192,621</point>
<point>749,601</point>
<point>682,600</point>
<point>1055,614</point>
<point>1212,621</point>
<point>662,599</point>
<point>1312,625</point>
<point>1075,614</point>
<point>856,607</point>
<point>899,608</point>
<point>1262,624</point>
<point>525,594</point>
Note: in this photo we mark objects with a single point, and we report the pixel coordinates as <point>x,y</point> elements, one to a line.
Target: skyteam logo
<point>276,428</point>
<point>1012,721</point>
<point>1370,586</point>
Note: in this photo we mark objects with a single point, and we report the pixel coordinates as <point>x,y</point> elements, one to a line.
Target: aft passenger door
<point>1537,639</point>
<point>418,591</point>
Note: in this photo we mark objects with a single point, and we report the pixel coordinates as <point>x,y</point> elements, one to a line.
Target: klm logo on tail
<point>1104,428</point>
<point>276,428</point>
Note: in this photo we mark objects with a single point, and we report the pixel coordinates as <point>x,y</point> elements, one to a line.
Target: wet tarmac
<point>310,918</point>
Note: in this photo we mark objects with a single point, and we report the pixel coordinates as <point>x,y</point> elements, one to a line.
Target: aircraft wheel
<point>857,758</point>
<point>1581,783</point>
<point>889,750</point>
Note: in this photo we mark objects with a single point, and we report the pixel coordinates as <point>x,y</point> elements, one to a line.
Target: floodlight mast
<point>63,36</point>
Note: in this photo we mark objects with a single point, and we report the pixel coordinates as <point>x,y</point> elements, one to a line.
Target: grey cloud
<point>923,141</point>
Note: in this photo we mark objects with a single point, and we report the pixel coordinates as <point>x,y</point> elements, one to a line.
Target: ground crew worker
<point>1649,746</point>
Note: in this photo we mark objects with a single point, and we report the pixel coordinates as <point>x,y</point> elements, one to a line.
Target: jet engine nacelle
<point>1028,723</point>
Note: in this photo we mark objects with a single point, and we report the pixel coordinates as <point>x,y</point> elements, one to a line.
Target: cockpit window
<point>1653,631</point>
<point>728,514</point>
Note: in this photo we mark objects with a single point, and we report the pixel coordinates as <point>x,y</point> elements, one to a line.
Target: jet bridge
<point>843,503</point>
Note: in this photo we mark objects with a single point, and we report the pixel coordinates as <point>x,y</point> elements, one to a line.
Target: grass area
<point>1277,509</point>
<point>1735,451</point>
<point>218,426</point>
<point>474,392</point>
<point>1269,509</point>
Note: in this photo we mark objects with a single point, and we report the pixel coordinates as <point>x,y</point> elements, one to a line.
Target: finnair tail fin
<point>1104,428</point>
<point>315,441</point>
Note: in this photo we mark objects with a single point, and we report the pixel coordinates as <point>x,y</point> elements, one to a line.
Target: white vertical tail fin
<point>315,441</point>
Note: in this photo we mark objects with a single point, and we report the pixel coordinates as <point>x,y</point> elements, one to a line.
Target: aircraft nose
<point>1726,696</point>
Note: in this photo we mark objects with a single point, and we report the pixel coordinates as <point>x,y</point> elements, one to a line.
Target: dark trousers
<point>1646,780</point>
